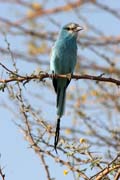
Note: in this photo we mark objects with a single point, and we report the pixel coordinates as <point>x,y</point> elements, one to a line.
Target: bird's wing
<point>54,80</point>
<point>67,83</point>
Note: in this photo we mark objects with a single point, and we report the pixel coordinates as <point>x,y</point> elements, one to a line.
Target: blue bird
<point>63,61</point>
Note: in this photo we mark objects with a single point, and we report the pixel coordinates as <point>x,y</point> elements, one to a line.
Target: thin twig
<point>117,176</point>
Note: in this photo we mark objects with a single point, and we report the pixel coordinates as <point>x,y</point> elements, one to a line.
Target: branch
<point>106,171</point>
<point>110,167</point>
<point>26,30</point>
<point>43,75</point>
<point>10,71</point>
<point>41,12</point>
<point>88,40</point>
<point>28,132</point>
<point>117,176</point>
<point>107,9</point>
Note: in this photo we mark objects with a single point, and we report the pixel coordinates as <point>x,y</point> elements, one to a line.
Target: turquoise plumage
<point>63,61</point>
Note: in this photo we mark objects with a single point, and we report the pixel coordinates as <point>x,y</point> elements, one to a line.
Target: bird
<point>63,60</point>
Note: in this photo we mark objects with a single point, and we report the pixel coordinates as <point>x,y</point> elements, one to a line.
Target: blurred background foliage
<point>90,129</point>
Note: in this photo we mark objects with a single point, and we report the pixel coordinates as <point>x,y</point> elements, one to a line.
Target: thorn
<point>101,75</point>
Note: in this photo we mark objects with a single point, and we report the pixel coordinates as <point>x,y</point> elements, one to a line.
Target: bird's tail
<point>61,93</point>
<point>57,133</point>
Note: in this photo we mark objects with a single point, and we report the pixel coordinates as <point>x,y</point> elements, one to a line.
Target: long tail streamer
<point>57,134</point>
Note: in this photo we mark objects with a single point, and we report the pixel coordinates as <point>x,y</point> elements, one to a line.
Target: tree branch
<point>41,12</point>
<point>117,176</point>
<point>106,171</point>
<point>41,76</point>
<point>113,165</point>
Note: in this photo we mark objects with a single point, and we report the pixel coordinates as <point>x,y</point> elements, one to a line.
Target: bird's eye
<point>70,28</point>
<point>67,28</point>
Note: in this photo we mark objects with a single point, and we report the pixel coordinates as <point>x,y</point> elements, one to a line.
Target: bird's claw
<point>53,75</point>
<point>69,76</point>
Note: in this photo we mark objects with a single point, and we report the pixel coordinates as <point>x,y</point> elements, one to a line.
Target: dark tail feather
<point>61,94</point>
<point>58,97</point>
<point>57,133</point>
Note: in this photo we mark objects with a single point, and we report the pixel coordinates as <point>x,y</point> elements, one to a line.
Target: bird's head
<point>71,30</point>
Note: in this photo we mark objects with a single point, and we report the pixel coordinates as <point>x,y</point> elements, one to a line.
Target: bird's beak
<point>79,28</point>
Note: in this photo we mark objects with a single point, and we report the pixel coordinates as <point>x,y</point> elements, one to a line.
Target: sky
<point>19,162</point>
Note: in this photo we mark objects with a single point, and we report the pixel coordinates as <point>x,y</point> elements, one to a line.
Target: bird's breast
<point>66,53</point>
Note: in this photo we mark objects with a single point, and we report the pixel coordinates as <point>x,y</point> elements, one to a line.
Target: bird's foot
<point>69,76</point>
<point>53,75</point>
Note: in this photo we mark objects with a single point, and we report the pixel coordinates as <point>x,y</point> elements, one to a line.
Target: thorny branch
<point>113,165</point>
<point>117,176</point>
<point>41,76</point>
<point>28,135</point>
<point>39,151</point>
